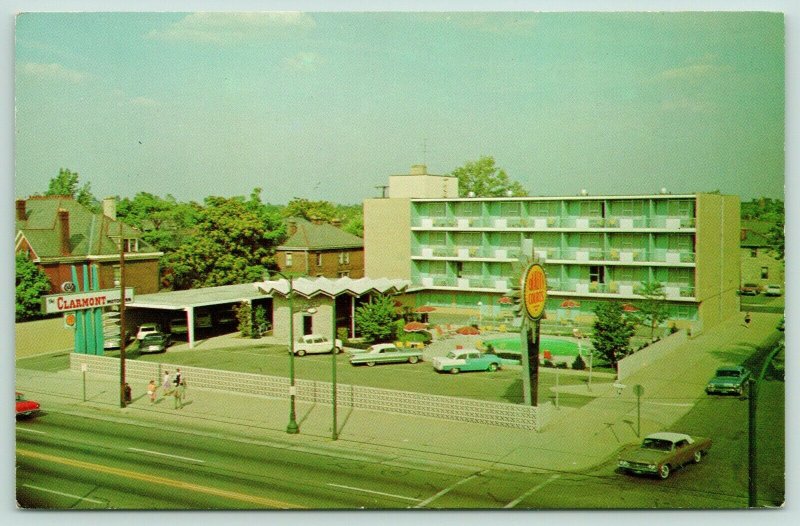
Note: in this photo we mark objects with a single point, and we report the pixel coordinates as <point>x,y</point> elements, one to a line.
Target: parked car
<point>226,317</point>
<point>178,326</point>
<point>202,320</point>
<point>728,379</point>
<point>466,360</point>
<point>155,342</point>
<point>385,353</point>
<point>147,328</point>
<point>749,289</point>
<point>315,344</point>
<point>26,407</point>
<point>111,340</point>
<point>660,453</point>
<point>773,290</point>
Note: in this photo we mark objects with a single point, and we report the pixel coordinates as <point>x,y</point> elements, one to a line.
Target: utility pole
<point>122,336</point>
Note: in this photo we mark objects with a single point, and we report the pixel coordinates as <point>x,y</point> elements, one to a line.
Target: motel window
<point>288,259</point>
<point>764,272</point>
<point>597,274</point>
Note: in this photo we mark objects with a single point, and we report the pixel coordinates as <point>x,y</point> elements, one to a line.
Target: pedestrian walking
<point>180,391</point>
<point>177,380</point>
<point>747,319</point>
<point>151,391</point>
<point>165,383</point>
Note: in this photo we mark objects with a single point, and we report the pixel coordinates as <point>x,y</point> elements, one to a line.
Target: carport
<point>150,307</point>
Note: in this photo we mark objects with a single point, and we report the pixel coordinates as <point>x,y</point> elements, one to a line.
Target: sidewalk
<point>572,440</point>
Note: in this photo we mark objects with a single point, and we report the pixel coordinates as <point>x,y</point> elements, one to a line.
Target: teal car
<point>466,360</point>
<point>728,379</point>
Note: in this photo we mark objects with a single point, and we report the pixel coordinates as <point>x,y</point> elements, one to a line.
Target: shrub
<point>561,365</point>
<point>548,363</point>
<point>342,333</point>
<point>579,364</point>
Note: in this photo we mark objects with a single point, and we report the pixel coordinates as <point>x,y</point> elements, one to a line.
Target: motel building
<point>458,252</point>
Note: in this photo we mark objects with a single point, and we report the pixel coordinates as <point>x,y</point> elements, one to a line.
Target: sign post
<point>638,390</point>
<point>533,297</point>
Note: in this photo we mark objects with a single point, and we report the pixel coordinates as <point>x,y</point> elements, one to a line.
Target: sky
<point>328,105</point>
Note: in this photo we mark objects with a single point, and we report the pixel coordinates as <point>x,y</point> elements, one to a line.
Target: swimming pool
<point>556,346</point>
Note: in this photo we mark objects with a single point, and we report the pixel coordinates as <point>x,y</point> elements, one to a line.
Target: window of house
<point>753,252</point>
<point>117,275</point>
<point>344,258</point>
<point>288,259</point>
<point>597,274</point>
<point>764,272</point>
<point>132,245</point>
<point>344,273</point>
<point>319,259</point>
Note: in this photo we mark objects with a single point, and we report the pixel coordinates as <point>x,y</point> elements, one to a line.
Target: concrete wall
<point>717,257</point>
<point>752,265</point>
<point>305,262</point>
<point>387,238</point>
<point>422,186</point>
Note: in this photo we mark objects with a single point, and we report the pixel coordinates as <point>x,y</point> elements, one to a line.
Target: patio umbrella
<point>415,326</point>
<point>425,308</point>
<point>627,307</point>
<point>569,304</point>
<point>468,330</point>
<point>505,300</point>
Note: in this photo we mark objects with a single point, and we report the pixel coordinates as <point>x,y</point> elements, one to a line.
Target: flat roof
<point>560,198</point>
<point>182,299</point>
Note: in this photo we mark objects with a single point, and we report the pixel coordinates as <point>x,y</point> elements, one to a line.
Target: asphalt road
<point>91,461</point>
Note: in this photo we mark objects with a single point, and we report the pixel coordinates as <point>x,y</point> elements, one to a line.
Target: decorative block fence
<point>355,396</point>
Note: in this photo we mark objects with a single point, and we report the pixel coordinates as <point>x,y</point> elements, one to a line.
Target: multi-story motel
<point>458,252</point>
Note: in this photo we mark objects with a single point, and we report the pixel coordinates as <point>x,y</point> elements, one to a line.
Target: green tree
<point>66,183</point>
<point>484,179</point>
<point>230,244</point>
<point>777,236</point>
<point>653,309</point>
<point>32,284</point>
<point>612,332</point>
<point>375,320</point>
<point>350,217</point>
<point>164,222</point>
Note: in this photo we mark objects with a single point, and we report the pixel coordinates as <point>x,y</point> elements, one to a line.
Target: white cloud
<point>52,72</point>
<point>225,28</point>
<point>302,61</point>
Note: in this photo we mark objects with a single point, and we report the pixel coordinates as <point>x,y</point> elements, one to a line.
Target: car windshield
<point>657,444</point>
<point>727,372</point>
<point>452,355</point>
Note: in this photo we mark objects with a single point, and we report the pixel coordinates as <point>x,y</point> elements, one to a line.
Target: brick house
<point>320,249</point>
<point>759,264</point>
<point>57,232</point>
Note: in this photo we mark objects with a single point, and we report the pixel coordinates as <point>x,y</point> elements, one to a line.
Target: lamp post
<point>480,313</point>
<point>292,428</point>
<point>579,335</point>
<point>334,430</point>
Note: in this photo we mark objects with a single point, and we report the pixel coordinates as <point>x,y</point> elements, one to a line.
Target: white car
<point>773,290</point>
<point>145,329</point>
<point>315,344</point>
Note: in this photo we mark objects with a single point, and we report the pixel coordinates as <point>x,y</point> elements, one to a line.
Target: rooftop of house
<point>90,233</point>
<point>755,234</point>
<point>318,236</point>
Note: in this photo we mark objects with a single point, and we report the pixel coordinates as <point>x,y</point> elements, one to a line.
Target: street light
<point>292,428</point>
<point>334,430</point>
<point>579,335</point>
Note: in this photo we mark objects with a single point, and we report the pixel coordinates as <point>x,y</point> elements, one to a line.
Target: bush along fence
<point>354,396</point>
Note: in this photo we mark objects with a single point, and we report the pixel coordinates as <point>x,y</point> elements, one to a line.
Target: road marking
<point>31,430</point>
<point>62,494</point>
<point>166,455</point>
<point>375,492</point>
<point>448,489</point>
<point>530,492</point>
<point>155,479</point>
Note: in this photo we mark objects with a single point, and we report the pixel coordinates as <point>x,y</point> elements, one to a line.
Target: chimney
<point>22,215</point>
<point>292,227</point>
<point>110,207</point>
<point>63,231</point>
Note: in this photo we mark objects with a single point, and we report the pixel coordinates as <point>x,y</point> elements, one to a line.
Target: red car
<point>26,407</point>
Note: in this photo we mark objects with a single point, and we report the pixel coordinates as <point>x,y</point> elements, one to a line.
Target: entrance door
<point>307,319</point>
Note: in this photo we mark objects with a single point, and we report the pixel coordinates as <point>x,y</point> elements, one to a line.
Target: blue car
<point>466,360</point>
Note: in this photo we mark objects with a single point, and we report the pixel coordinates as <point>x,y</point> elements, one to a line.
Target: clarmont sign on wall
<point>84,300</point>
